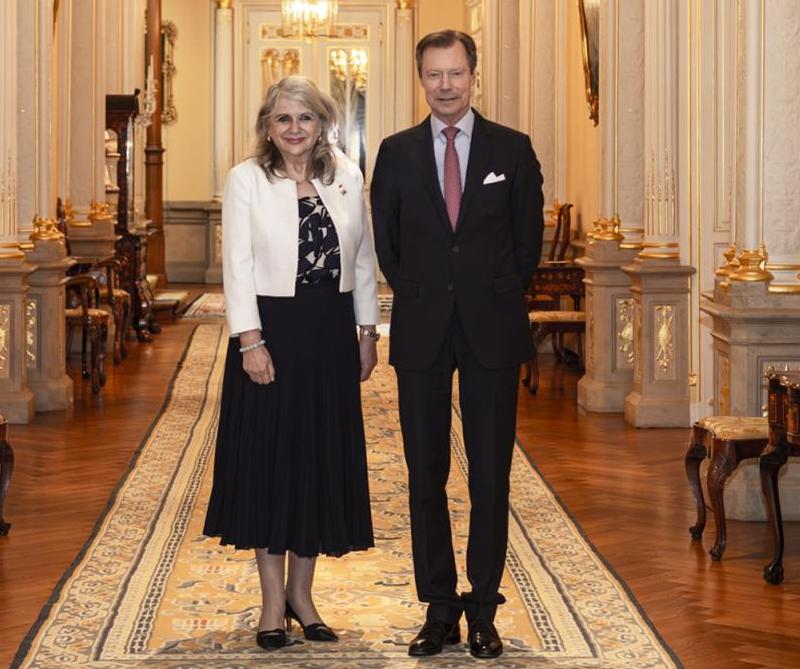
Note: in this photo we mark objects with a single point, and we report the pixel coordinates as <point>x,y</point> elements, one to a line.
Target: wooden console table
<point>784,441</point>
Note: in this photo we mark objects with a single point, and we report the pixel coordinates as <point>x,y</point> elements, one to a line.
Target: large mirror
<point>589,11</point>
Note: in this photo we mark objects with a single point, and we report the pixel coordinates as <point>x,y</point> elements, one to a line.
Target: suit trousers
<point>488,402</point>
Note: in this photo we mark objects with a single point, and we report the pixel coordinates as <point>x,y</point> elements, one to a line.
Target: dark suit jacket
<point>480,271</point>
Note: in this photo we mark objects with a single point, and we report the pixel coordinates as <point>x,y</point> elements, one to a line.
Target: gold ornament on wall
<point>665,344</point>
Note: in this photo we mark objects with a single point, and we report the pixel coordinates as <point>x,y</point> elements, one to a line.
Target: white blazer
<point>260,227</point>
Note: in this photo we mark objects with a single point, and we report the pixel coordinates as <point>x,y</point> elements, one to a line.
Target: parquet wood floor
<point>626,488</point>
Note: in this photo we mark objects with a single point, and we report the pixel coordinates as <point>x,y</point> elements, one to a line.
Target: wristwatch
<point>372,334</point>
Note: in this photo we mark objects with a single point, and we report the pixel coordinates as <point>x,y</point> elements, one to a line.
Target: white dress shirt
<point>463,139</point>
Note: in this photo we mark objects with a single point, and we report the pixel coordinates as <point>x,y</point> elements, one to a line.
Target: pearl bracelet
<point>251,347</point>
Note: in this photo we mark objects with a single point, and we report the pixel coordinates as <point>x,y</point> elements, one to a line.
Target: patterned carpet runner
<point>149,590</point>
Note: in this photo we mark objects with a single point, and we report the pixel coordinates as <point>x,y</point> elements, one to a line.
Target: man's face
<point>447,82</point>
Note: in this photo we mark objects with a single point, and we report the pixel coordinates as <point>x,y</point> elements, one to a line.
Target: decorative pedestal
<point>609,327</point>
<point>753,330</point>
<point>660,395</point>
<point>47,377</point>
<point>16,398</point>
<point>91,241</point>
<point>214,270</point>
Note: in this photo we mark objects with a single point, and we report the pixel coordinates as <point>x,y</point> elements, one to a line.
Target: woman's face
<point>294,129</point>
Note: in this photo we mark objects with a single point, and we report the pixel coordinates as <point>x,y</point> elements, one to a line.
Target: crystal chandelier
<point>309,18</point>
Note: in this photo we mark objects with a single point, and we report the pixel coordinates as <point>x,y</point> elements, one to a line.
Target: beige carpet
<point>150,591</point>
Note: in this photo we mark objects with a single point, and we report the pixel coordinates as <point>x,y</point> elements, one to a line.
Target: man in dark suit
<point>457,210</point>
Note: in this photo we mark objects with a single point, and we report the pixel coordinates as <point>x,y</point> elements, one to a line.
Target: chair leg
<point>694,457</point>
<point>719,469</point>
<point>770,463</point>
<point>101,356</point>
<point>118,321</point>
<point>95,359</point>
<point>84,336</point>
<point>126,324</point>
<point>526,380</point>
<point>6,468</point>
<point>581,358</point>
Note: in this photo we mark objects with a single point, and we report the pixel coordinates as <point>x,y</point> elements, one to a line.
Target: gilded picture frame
<point>589,11</point>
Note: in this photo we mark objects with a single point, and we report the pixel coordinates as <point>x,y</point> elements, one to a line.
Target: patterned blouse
<point>318,244</point>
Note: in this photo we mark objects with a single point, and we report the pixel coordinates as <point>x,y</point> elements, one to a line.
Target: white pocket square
<point>493,178</point>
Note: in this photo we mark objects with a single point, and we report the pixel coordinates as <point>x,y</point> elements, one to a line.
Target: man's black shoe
<point>432,638</point>
<point>484,641</point>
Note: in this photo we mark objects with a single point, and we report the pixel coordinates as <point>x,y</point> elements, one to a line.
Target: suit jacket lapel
<point>479,150</point>
<point>430,176</point>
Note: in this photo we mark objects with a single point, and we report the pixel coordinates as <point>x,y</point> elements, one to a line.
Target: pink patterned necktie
<point>452,176</point>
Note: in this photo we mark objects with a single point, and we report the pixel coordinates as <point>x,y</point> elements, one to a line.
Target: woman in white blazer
<point>299,268</point>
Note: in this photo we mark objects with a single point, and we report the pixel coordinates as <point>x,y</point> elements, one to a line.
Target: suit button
<point>456,249</point>
<point>450,287</point>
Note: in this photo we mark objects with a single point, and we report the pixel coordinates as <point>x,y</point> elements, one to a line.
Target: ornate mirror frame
<point>589,11</point>
<point>169,33</point>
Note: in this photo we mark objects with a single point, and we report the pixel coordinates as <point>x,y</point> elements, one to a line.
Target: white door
<point>348,66</point>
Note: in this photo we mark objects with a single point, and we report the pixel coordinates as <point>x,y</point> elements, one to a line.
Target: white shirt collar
<point>465,125</point>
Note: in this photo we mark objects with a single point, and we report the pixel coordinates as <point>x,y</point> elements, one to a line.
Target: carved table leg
<point>694,457</point>
<point>770,463</point>
<point>6,467</point>
<point>719,469</point>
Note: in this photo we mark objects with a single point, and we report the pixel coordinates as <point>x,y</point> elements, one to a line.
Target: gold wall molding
<point>31,311</point>
<point>664,329</point>
<point>5,337</point>
<point>638,347</point>
<point>625,330</point>
<point>724,386</point>
<point>224,4</point>
<point>405,4</point>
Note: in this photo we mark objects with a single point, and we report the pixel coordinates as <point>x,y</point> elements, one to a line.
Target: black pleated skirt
<point>290,470</point>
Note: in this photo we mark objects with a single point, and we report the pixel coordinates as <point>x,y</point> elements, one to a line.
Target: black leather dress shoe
<point>484,641</point>
<point>271,639</point>
<point>433,637</point>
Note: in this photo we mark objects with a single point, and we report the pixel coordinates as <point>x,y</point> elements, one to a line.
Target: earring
<point>269,139</point>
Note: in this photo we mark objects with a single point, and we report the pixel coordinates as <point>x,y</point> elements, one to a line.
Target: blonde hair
<point>305,91</point>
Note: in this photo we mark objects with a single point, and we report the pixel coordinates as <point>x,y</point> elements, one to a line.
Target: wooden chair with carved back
<point>555,279</point>
<point>83,298</point>
<point>107,273</point>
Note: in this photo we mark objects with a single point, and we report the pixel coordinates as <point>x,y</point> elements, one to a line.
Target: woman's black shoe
<point>271,639</point>
<point>312,632</point>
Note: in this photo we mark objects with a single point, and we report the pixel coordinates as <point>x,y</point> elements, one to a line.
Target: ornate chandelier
<point>309,18</point>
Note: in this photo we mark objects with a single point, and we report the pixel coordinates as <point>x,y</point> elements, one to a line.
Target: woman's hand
<point>257,363</point>
<point>368,354</point>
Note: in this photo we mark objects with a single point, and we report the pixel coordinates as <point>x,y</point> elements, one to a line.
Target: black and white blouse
<point>318,244</point>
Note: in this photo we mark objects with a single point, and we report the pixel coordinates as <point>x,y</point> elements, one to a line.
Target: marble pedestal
<point>16,398</point>
<point>660,395</point>
<point>609,327</point>
<point>753,330</point>
<point>47,377</point>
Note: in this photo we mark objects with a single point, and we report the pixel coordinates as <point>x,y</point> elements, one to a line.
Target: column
<point>35,194</point>
<point>44,319</point>
<point>609,304</point>
<point>749,211</point>
<point>8,121</point>
<point>223,95</point>
<point>405,68</point>
<point>756,319</point>
<point>660,284</point>
<point>87,107</point>
<point>17,170</point>
<point>154,153</point>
